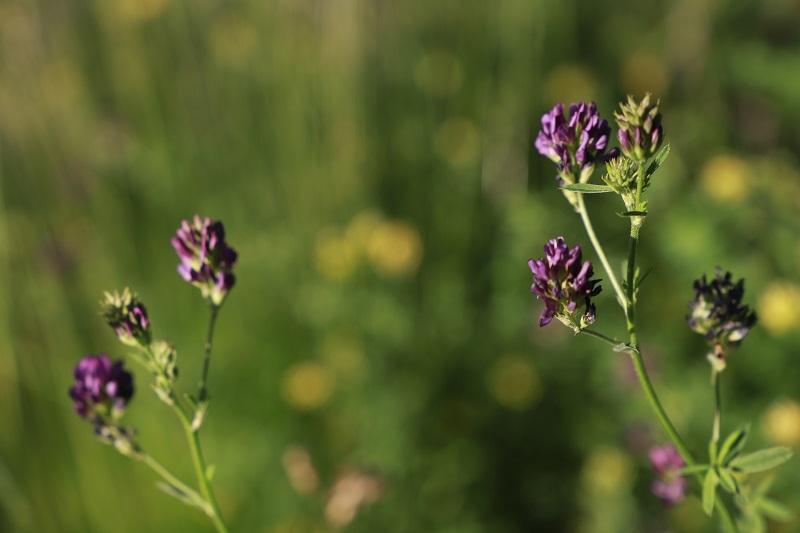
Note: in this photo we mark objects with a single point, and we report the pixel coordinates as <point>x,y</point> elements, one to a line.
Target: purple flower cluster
<point>717,311</point>
<point>101,388</point>
<point>640,131</point>
<point>670,488</point>
<point>127,316</point>
<point>206,259</point>
<point>560,279</point>
<point>576,141</point>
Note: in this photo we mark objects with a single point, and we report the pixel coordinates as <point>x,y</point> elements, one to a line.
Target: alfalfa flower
<point>717,311</point>
<point>127,316</point>
<point>640,131</point>
<point>102,389</point>
<point>574,142</point>
<point>562,280</point>
<point>670,487</point>
<point>206,259</point>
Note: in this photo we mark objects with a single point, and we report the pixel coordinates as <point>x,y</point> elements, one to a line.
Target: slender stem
<point>600,336</point>
<point>638,362</point>
<point>192,496</point>
<point>587,223</point>
<point>193,439</point>
<point>715,376</point>
<point>201,395</point>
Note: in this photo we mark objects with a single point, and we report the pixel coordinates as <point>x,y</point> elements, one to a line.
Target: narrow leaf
<point>726,480</point>
<point>709,491</point>
<point>641,278</point>
<point>762,459</point>
<point>174,491</point>
<point>686,470</point>
<point>733,445</point>
<point>661,156</point>
<point>587,188</point>
<point>774,510</point>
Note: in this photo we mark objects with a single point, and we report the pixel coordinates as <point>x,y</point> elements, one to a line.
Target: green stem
<point>600,336</point>
<point>715,376</point>
<point>201,395</point>
<point>193,439</point>
<point>192,496</point>
<point>587,223</point>
<point>638,362</point>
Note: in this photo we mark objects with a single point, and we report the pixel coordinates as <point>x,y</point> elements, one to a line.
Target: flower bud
<point>640,131</point>
<point>127,316</point>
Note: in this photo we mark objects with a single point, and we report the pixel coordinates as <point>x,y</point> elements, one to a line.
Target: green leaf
<point>727,481</point>
<point>709,491</point>
<point>733,445</point>
<point>774,509</point>
<point>640,279</point>
<point>686,470</point>
<point>587,188</point>
<point>762,459</point>
<point>661,156</point>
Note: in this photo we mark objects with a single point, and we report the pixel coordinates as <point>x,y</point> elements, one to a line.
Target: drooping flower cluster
<point>127,316</point>
<point>717,311</point>
<point>574,142</point>
<point>670,487</point>
<point>206,259</point>
<point>640,131</point>
<point>102,390</point>
<point>560,279</point>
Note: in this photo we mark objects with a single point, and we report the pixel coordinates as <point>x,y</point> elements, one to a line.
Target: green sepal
<point>734,444</point>
<point>762,459</point>
<point>709,491</point>
<point>661,156</point>
<point>587,188</point>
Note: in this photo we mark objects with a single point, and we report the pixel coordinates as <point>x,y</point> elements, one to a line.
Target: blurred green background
<point>373,164</point>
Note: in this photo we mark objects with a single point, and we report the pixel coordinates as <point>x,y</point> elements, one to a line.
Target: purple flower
<point>560,279</point>
<point>640,131</point>
<point>127,316</point>
<point>101,388</point>
<point>206,259</point>
<point>576,141</point>
<point>670,488</point>
<point>717,311</point>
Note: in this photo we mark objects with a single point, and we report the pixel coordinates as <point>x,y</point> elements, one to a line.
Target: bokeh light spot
<point>781,423</point>
<point>777,307</point>
<point>395,248</point>
<point>608,470</point>
<point>458,142</point>
<point>307,386</point>
<point>724,178</point>
<point>514,383</point>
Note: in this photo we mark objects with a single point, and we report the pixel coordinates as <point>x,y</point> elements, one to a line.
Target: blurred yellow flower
<point>781,423</point>
<point>307,385</point>
<point>395,248</point>
<point>724,178</point>
<point>608,470</point>
<point>514,383</point>
<point>777,307</point>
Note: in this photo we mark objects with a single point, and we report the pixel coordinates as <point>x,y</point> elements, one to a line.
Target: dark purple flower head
<point>640,131</point>
<point>576,141</point>
<point>670,488</point>
<point>560,279</point>
<point>717,311</point>
<point>101,388</point>
<point>206,259</point>
<point>128,317</point>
